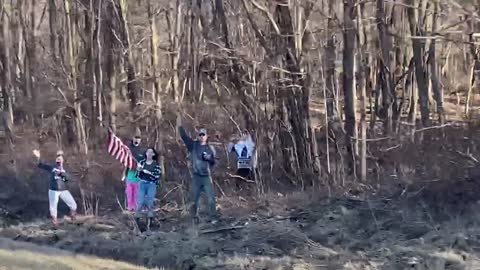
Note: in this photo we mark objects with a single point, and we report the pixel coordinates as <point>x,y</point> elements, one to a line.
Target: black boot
<point>139,224</point>
<point>196,220</point>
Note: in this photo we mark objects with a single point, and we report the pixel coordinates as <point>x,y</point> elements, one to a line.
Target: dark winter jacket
<point>200,165</point>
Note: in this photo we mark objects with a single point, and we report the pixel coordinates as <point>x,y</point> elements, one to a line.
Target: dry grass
<point>17,255</point>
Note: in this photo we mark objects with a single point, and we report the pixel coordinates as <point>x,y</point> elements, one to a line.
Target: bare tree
<point>385,66</point>
<point>416,18</point>
<point>71,29</point>
<point>436,88</point>
<point>349,81</point>
<point>5,63</point>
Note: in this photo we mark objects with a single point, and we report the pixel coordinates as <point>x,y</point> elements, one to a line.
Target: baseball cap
<point>202,131</point>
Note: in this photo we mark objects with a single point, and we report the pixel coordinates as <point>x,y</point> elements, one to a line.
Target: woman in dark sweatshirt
<point>57,185</point>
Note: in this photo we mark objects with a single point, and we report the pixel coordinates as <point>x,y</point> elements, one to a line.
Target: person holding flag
<point>57,186</point>
<point>130,175</point>
<point>148,173</point>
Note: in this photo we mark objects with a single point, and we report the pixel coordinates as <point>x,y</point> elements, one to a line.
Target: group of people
<point>143,181</point>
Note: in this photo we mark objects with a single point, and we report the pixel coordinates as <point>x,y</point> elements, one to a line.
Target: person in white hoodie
<point>57,185</point>
<point>244,149</point>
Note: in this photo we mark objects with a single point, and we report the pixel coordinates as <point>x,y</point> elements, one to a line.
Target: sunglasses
<point>201,134</point>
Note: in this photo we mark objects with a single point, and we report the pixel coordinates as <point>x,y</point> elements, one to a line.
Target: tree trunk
<point>72,58</point>
<point>97,99</point>
<point>330,57</point>
<point>30,60</point>
<point>52,17</point>
<point>5,63</point>
<point>90,81</point>
<point>132,84</point>
<point>436,88</point>
<point>174,34</point>
<point>362,63</point>
<point>349,81</point>
<point>474,86</point>
<point>155,64</point>
<point>385,66</point>
<point>418,45</point>
<point>295,97</point>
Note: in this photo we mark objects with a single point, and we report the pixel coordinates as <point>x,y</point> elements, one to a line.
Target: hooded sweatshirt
<point>58,176</point>
<point>138,153</point>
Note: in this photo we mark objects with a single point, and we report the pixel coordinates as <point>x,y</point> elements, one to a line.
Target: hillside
<point>413,230</point>
<point>15,255</point>
<point>365,117</point>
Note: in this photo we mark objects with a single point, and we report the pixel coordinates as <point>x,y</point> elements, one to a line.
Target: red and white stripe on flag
<point>120,151</point>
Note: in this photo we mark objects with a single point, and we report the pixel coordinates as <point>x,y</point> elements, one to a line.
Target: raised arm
<point>186,139</point>
<point>44,166</point>
<point>40,164</point>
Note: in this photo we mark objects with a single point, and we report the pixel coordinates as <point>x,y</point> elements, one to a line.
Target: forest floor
<point>430,226</point>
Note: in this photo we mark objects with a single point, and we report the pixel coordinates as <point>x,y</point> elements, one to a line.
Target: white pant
<point>54,195</point>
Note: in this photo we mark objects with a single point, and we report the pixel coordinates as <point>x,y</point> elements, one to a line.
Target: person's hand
<point>147,172</point>
<point>36,153</point>
<point>139,167</point>
<point>123,178</point>
<point>207,156</point>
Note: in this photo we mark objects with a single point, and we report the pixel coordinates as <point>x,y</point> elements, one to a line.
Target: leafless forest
<point>352,97</point>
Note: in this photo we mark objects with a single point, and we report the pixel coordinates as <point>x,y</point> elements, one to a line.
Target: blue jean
<point>146,197</point>
<point>199,184</point>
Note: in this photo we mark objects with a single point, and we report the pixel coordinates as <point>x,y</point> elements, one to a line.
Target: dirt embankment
<point>409,230</point>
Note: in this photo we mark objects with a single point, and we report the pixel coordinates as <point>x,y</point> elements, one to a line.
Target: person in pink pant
<point>130,176</point>
<point>131,190</point>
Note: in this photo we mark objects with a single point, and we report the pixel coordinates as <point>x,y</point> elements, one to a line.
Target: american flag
<point>120,151</point>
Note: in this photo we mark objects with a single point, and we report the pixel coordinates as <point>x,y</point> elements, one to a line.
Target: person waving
<point>202,158</point>
<point>57,185</point>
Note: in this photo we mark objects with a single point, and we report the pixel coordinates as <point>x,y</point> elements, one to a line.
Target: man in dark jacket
<point>202,158</point>
<point>57,185</point>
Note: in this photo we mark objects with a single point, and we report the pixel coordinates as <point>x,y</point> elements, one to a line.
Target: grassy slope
<point>18,255</point>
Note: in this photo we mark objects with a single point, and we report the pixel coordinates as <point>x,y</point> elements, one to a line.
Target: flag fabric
<point>120,151</point>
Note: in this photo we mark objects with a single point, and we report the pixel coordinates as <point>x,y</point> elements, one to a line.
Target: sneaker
<point>55,221</point>
<point>73,215</point>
